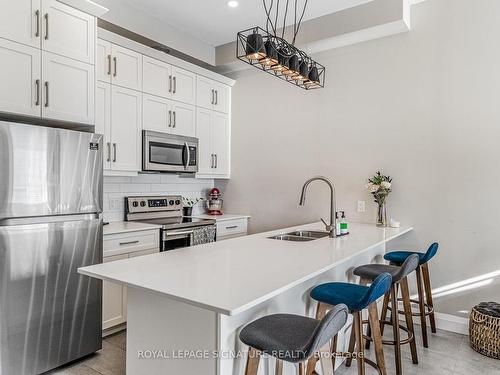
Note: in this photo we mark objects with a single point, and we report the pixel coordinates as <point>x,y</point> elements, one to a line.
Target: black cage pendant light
<point>272,53</point>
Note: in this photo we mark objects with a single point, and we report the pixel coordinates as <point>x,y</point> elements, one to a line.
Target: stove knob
<point>177,202</point>
<point>171,202</point>
<point>135,204</point>
<point>143,203</point>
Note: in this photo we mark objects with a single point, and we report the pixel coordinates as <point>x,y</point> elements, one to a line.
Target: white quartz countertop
<point>127,226</point>
<point>235,275</point>
<point>223,217</point>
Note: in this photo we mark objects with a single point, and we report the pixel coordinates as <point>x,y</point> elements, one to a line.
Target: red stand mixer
<point>214,202</point>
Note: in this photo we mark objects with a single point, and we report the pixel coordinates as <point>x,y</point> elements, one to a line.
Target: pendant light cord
<point>296,30</point>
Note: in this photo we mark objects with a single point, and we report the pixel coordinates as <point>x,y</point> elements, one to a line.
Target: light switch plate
<point>114,204</point>
<point>361,206</point>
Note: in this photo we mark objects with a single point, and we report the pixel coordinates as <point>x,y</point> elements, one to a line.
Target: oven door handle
<point>188,158</point>
<point>180,233</point>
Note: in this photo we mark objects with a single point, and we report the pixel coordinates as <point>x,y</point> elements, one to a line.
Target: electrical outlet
<point>361,206</point>
<point>114,204</point>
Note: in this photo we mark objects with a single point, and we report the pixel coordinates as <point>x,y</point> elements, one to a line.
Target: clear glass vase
<point>382,215</point>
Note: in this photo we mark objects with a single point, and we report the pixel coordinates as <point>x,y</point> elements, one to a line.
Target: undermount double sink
<point>300,236</point>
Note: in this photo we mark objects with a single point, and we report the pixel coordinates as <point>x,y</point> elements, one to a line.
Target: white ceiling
<point>213,22</point>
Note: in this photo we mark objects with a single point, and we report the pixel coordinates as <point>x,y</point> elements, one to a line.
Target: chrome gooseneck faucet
<point>332,228</point>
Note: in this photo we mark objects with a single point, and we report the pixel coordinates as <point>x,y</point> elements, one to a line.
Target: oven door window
<point>167,154</point>
<point>178,243</point>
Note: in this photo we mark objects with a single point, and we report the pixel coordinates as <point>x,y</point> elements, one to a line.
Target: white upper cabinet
<point>21,79</point>
<point>156,113</point>
<point>220,143</point>
<point>20,21</point>
<point>68,89</point>
<point>157,77</point>
<point>183,85</point>
<point>212,95</point>
<point>126,68</point>
<point>67,31</point>
<point>103,68</point>
<point>203,133</point>
<point>126,109</point>
<point>103,119</point>
<point>183,119</point>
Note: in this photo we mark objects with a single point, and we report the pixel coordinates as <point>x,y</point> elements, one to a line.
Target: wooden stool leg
<point>279,367</point>
<point>321,310</point>
<point>301,369</point>
<point>333,351</point>
<point>352,342</point>
<point>421,304</point>
<point>405,292</point>
<point>358,326</point>
<point>428,295</point>
<point>377,338</point>
<point>252,362</point>
<point>395,329</point>
<point>365,282</point>
<point>383,315</point>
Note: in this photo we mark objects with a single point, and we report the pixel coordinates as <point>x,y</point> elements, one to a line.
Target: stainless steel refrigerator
<point>50,224</point>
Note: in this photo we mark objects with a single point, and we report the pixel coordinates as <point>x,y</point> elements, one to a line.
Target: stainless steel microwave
<point>162,152</point>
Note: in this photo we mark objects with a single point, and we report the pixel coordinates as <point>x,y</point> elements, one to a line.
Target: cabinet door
<point>127,68</point>
<point>156,114</point>
<point>68,89</point>
<point>103,61</point>
<point>183,119</point>
<point>103,119</point>
<point>222,102</point>
<point>203,133</point>
<point>20,21</point>
<point>157,77</point>
<point>20,77</point>
<point>126,108</point>
<point>183,86</point>
<point>68,31</point>
<point>220,143</point>
<point>114,307</point>
<point>205,92</point>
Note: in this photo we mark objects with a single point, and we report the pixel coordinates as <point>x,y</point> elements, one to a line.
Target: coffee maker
<point>214,202</point>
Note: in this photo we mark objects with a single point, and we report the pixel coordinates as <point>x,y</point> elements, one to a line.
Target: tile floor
<point>449,353</point>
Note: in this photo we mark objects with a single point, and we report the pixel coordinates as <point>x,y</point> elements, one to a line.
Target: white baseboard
<point>448,322</point>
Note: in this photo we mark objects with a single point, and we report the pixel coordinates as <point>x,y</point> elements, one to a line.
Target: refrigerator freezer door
<point>47,171</point>
<point>49,314</point>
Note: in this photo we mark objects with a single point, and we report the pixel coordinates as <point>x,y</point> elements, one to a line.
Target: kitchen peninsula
<point>186,304</point>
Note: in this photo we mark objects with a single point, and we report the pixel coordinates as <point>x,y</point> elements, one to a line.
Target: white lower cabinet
<point>68,89</point>
<point>118,247</point>
<point>118,117</point>
<point>232,228</point>
<point>21,79</point>
<point>213,132</point>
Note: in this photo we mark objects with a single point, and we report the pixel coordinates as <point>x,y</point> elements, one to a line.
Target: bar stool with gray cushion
<point>370,272</point>
<point>290,338</point>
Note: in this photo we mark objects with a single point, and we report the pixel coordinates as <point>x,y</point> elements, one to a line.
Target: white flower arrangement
<point>190,202</point>
<point>379,186</point>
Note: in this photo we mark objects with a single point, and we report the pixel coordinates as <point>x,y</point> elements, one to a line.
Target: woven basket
<point>484,329</point>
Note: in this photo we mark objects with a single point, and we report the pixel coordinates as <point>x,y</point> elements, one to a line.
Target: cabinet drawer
<point>122,243</point>
<point>230,227</point>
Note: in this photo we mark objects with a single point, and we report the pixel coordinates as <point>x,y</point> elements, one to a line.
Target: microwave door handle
<point>188,158</point>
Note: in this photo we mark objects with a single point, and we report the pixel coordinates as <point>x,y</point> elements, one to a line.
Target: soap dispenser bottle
<point>337,226</point>
<point>344,226</point>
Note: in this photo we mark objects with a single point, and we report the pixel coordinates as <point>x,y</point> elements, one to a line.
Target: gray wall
<point>423,107</point>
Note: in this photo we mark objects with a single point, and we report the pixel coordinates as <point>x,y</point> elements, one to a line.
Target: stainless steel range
<point>176,231</point>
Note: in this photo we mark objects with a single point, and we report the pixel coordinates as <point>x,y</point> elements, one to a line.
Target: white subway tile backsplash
<point>117,188</point>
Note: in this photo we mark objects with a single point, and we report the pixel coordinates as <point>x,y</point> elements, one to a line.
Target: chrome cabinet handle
<point>109,151</point>
<point>37,15</point>
<point>216,161</point>
<point>46,93</point>
<point>175,85</point>
<point>232,227</point>
<point>37,84</point>
<point>216,97</point>
<point>109,65</point>
<point>175,120</point>
<point>170,83</point>
<point>129,242</point>
<point>115,63</point>
<point>211,160</point>
<point>46,26</point>
<point>213,97</point>
<point>114,152</point>
<point>188,155</point>
<point>169,119</point>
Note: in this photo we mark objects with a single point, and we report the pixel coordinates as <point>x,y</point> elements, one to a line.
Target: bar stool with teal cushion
<point>356,298</point>
<point>425,303</point>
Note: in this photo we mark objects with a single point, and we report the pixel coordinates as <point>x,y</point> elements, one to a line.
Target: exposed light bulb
<point>232,3</point>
